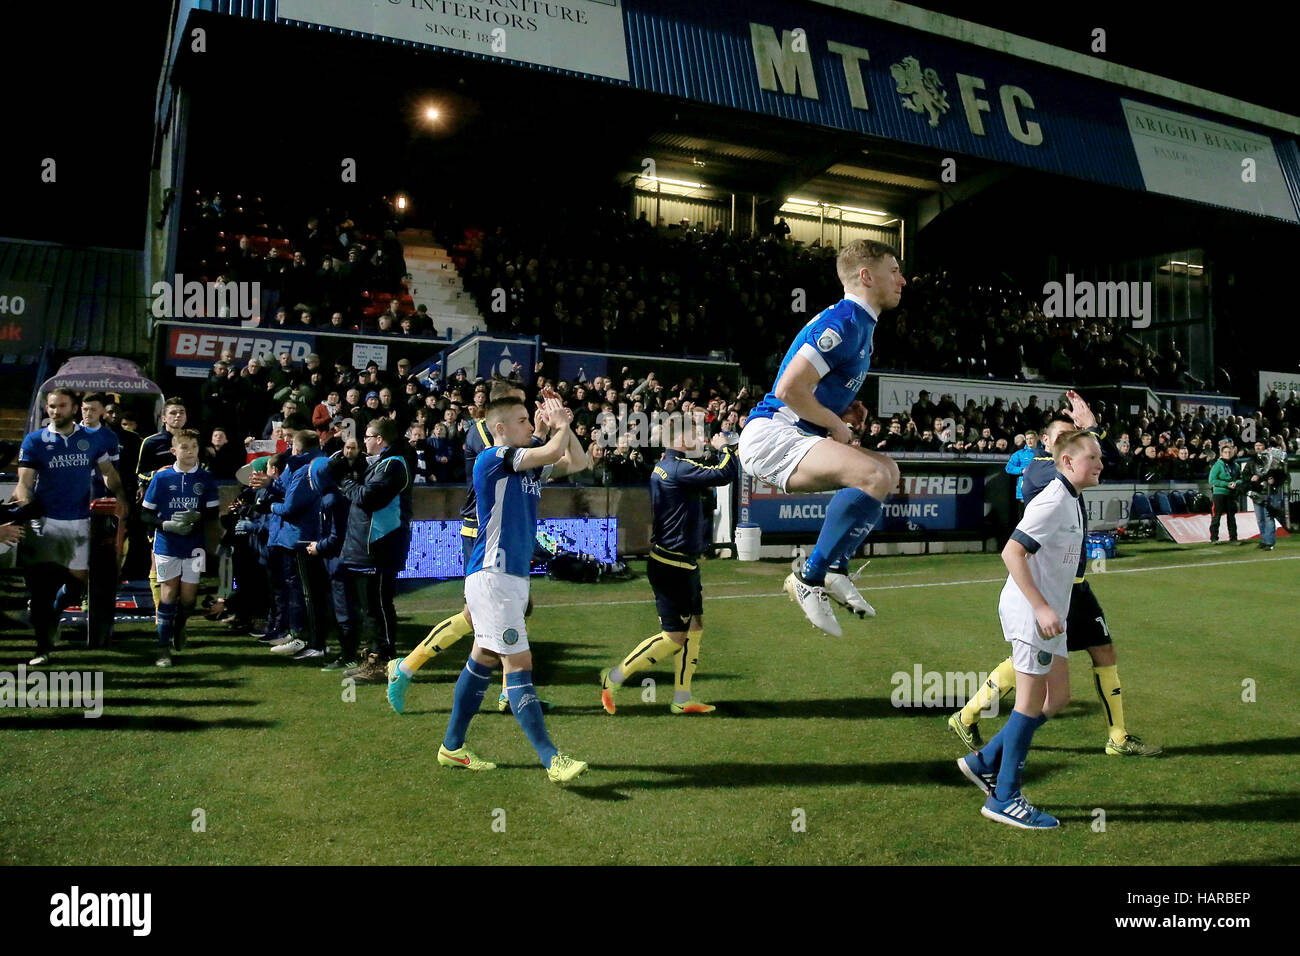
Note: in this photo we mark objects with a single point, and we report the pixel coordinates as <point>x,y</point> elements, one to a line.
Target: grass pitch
<point>280,768</point>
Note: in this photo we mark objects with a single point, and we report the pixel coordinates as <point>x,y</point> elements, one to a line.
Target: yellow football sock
<point>1106,681</point>
<point>686,667</point>
<point>1000,682</point>
<point>648,653</point>
<point>444,634</point>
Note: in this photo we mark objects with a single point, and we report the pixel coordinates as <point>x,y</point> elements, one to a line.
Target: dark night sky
<point>81,89</point>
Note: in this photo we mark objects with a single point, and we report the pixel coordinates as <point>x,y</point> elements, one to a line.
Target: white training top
<point>1052,531</point>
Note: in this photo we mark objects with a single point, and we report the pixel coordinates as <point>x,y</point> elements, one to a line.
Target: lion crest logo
<point>922,90</point>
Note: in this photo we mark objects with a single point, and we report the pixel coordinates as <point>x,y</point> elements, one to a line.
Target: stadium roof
<point>93,299</point>
<point>775,137</point>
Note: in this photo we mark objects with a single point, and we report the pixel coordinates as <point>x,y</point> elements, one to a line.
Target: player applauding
<point>508,481</point>
<point>682,506</point>
<point>796,439</point>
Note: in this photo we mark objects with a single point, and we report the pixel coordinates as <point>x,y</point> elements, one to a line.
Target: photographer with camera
<point>1264,474</point>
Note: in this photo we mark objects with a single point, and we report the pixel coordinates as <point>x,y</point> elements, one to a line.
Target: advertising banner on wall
<point>1192,158</point>
<point>585,36</point>
<point>899,392</point>
<point>482,356</point>
<point>191,350</point>
<point>1195,529</point>
<point>1220,405</point>
<point>1280,382</point>
<point>22,317</point>
<point>927,500</point>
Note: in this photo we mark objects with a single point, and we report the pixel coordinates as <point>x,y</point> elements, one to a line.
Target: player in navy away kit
<point>508,481</point>
<point>180,499</point>
<point>682,505</point>
<point>55,468</point>
<point>796,440</point>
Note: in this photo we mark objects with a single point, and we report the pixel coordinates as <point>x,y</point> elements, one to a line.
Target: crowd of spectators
<point>604,280</point>
<point>1151,446</point>
<point>600,279</point>
<point>326,271</point>
<point>240,404</point>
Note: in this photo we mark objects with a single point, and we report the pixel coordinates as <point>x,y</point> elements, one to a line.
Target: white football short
<point>1020,627</point>
<point>65,542</point>
<point>189,568</point>
<point>1034,659</point>
<point>771,449</point>
<point>497,603</point>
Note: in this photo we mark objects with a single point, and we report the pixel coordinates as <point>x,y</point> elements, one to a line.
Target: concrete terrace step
<point>13,424</point>
<point>435,284</point>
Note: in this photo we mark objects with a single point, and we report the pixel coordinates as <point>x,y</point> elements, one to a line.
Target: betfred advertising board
<point>922,503</point>
<point>191,350</point>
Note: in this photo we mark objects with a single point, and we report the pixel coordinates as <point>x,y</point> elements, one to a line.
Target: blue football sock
<point>471,684</point>
<point>528,711</point>
<point>166,623</point>
<point>1020,770</point>
<point>851,513</point>
<point>1019,731</point>
<point>989,758</point>
<point>840,563</point>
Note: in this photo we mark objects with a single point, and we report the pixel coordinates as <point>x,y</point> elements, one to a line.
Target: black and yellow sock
<point>686,666</point>
<point>1000,683</point>
<point>444,635</point>
<point>648,653</point>
<point>1106,682</point>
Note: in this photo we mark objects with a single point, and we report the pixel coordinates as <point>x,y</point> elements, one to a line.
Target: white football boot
<point>815,604</point>
<point>842,591</point>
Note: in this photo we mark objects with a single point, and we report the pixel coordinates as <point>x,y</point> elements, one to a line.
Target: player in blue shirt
<point>450,630</point>
<point>508,482</point>
<point>797,440</point>
<point>92,420</point>
<point>155,453</point>
<point>180,500</point>
<point>55,467</point>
